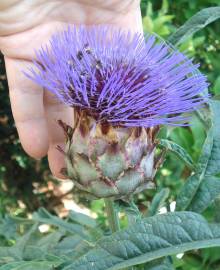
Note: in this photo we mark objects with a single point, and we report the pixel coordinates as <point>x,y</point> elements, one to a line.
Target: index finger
<point>27,108</point>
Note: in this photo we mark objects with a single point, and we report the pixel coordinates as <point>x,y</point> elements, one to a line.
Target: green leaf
<point>213,166</point>
<point>203,187</point>
<point>131,210</point>
<point>149,239</point>
<point>182,137</point>
<point>82,219</point>
<point>178,150</point>
<point>163,264</point>
<point>216,87</point>
<point>29,266</point>
<point>158,201</point>
<point>17,251</point>
<point>72,247</point>
<point>217,209</point>
<point>31,246</point>
<point>187,192</point>
<point>209,190</point>
<point>45,217</point>
<point>8,228</point>
<point>194,24</point>
<point>87,222</point>
<point>41,245</point>
<point>199,135</point>
<point>11,266</point>
<point>164,7</point>
<point>68,244</point>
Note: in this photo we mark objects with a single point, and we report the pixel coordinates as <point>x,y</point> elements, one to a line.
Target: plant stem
<point>113,219</point>
<point>112,215</point>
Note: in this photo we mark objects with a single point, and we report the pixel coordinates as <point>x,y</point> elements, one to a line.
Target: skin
<point>26,25</point>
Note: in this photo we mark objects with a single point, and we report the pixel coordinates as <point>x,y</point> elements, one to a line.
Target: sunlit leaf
<point>149,239</point>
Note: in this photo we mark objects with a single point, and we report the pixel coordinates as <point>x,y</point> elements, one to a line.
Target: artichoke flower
<point>122,87</point>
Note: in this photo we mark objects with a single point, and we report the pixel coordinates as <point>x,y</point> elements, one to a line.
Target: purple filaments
<point>120,78</point>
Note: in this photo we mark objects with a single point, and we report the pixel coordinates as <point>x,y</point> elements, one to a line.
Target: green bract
<point>108,161</point>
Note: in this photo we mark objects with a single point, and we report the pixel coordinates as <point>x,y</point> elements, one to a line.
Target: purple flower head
<point>121,78</point>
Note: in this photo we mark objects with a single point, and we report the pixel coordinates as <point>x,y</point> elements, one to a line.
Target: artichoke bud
<point>109,161</point>
<point>122,87</point>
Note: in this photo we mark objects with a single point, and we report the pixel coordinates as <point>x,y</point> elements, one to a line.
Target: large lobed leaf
<point>203,187</point>
<point>149,239</point>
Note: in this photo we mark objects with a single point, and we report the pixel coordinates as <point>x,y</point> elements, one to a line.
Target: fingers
<point>36,113</point>
<point>55,110</point>
<point>23,44</point>
<point>27,108</point>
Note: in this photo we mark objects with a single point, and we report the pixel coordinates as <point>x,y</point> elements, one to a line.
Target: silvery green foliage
<point>148,243</point>
<point>63,248</point>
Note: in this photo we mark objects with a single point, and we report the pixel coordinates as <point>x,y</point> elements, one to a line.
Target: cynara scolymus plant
<point>122,87</point>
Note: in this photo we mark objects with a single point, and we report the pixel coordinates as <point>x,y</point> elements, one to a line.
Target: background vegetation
<point>26,184</point>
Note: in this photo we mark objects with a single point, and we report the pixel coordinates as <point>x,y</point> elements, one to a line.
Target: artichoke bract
<point>109,161</point>
<point>122,88</point>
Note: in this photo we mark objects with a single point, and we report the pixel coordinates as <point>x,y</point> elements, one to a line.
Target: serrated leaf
<point>149,239</point>
<point>203,187</point>
<point>194,24</point>
<point>178,150</point>
<point>158,201</point>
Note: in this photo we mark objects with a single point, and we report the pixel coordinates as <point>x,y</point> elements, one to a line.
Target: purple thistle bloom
<point>120,78</point>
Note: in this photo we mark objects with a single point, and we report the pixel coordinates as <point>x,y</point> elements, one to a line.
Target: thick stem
<point>112,215</point>
<point>113,219</point>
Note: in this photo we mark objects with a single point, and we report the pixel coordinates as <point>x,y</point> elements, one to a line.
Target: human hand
<point>25,26</point>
